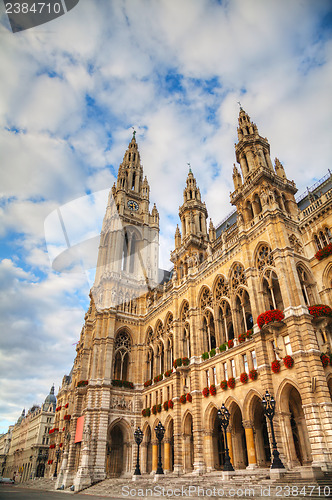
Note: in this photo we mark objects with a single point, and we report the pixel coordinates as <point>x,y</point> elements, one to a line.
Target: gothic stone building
<point>141,321</point>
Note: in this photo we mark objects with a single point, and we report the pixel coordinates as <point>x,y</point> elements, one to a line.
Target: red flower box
<point>67,417</point>
<point>205,392</point>
<point>50,462</point>
<point>275,366</point>
<point>324,252</point>
<point>325,360</point>
<point>82,383</point>
<point>146,412</point>
<point>269,316</point>
<point>52,446</point>
<point>158,378</point>
<point>170,404</point>
<point>66,405</point>
<point>244,378</point>
<point>223,385</point>
<point>253,374</point>
<point>154,409</point>
<point>185,361</point>
<point>60,445</point>
<point>288,361</point>
<point>320,310</point>
<point>231,383</point>
<point>177,362</point>
<point>182,399</point>
<point>165,405</point>
<point>159,408</point>
<point>147,383</point>
<point>189,398</point>
<point>168,373</point>
<point>58,408</point>
<point>63,428</point>
<point>213,390</point>
<point>230,343</point>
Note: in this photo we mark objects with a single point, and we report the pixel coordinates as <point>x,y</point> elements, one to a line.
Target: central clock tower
<point>129,242</point>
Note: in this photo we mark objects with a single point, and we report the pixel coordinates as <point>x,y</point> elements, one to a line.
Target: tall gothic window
<point>122,348</point>
<point>306,286</point>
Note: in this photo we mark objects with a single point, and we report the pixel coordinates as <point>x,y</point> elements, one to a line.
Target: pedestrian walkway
<point>247,484</point>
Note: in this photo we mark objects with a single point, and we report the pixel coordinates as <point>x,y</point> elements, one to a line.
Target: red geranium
<point>268,316</point>
<point>182,399</point>
<point>325,360</point>
<point>223,385</point>
<point>66,405</point>
<point>165,405</point>
<point>213,390</point>
<point>244,378</point>
<point>147,383</point>
<point>170,404</point>
<point>168,373</point>
<point>320,310</point>
<point>154,409</point>
<point>231,383</point>
<point>52,446</point>
<point>158,378</point>
<point>189,398</point>
<point>159,408</point>
<point>67,417</point>
<point>230,343</point>
<point>275,366</point>
<point>324,252</point>
<point>288,361</point>
<point>242,338</point>
<point>205,392</point>
<point>185,361</point>
<point>253,374</point>
<point>177,362</point>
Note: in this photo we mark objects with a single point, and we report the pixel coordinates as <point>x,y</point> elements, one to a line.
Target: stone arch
<point>239,445</point>
<point>118,448</point>
<point>188,441</point>
<point>293,423</point>
<point>220,288</point>
<point>158,329</point>
<point>208,418</point>
<point>327,283</point>
<point>254,415</point>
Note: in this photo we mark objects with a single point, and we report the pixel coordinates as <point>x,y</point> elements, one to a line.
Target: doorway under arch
<point>188,443</point>
<point>117,452</point>
<point>238,438</point>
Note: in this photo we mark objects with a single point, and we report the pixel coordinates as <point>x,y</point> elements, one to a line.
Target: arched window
<point>264,257</point>
<point>122,346</point>
<point>226,322</point>
<point>306,286</point>
<point>132,253</point>
<point>209,331</point>
<point>271,289</point>
<point>243,311</point>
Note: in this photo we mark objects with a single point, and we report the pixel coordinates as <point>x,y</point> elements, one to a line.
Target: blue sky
<point>70,93</point>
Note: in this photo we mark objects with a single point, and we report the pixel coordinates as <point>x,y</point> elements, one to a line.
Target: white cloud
<point>70,92</point>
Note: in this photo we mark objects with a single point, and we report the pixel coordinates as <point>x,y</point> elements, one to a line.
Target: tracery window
<point>323,238</point>
<point>222,289</point>
<point>122,346</point>
<point>159,329</point>
<point>226,321</point>
<point>264,257</point>
<point>238,276</point>
<point>206,299</point>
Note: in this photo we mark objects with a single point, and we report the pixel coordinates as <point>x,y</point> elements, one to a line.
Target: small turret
<point>212,232</point>
<point>177,237</point>
<point>237,179</point>
<point>279,169</point>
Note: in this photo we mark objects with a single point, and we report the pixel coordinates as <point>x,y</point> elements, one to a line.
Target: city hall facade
<point>235,317</point>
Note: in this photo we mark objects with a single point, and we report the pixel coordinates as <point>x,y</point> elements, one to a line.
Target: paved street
<point>13,493</point>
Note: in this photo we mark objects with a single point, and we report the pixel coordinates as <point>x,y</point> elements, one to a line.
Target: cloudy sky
<point>70,93</point>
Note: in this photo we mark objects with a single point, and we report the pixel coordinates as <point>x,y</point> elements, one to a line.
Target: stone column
<point>208,449</point>
<point>167,455</point>
<point>230,443</point>
<point>144,457</point>
<point>251,450</point>
<point>154,456</point>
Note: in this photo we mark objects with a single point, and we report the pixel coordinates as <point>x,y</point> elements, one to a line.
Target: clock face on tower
<point>132,205</point>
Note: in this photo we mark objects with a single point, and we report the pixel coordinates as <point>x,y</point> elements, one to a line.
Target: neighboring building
<point>29,445</point>
<point>141,320</point>
<point>5,440</point>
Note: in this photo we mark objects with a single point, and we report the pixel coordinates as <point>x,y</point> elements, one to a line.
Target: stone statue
<point>87,433</point>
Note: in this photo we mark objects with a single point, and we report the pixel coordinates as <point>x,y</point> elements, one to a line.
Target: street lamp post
<point>224,415</point>
<point>138,435</point>
<point>160,431</point>
<point>269,406</point>
<point>57,454</point>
